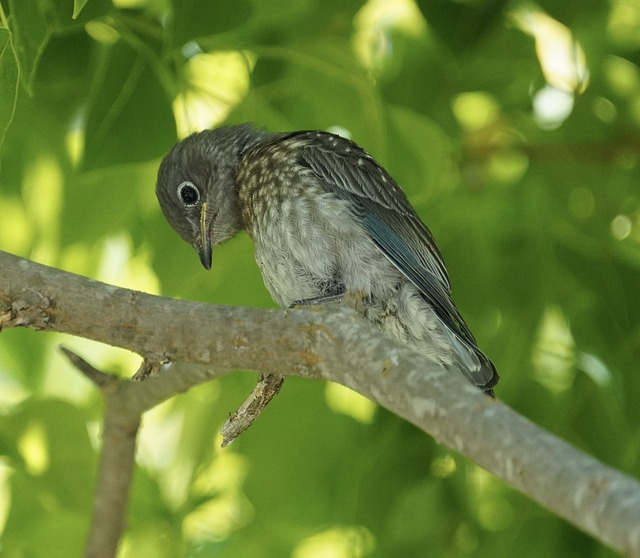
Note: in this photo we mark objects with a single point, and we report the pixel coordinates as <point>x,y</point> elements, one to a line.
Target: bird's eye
<point>188,193</point>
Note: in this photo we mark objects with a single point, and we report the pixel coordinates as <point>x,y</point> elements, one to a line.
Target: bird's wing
<point>345,169</point>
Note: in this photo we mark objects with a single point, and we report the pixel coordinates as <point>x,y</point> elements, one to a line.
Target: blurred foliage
<point>513,127</point>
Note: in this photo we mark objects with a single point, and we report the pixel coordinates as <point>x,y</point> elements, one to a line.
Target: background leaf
<point>536,211</point>
<point>8,82</point>
<point>78,6</point>
<point>32,28</point>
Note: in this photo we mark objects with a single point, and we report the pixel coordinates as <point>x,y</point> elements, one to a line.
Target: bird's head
<point>197,187</point>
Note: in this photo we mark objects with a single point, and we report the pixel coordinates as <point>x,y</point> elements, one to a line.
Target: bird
<point>327,220</point>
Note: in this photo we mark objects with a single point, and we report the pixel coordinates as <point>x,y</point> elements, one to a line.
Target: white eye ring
<point>188,194</point>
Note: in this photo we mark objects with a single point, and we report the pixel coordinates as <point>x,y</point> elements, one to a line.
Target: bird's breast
<point>307,240</point>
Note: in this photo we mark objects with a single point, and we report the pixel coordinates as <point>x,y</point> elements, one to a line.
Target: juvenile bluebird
<point>325,219</point>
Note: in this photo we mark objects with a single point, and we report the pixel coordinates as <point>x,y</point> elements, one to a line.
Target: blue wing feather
<point>345,169</point>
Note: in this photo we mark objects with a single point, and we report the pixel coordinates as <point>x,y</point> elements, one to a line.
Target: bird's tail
<point>474,364</point>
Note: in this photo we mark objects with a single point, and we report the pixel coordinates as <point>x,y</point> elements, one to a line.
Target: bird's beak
<point>205,239</point>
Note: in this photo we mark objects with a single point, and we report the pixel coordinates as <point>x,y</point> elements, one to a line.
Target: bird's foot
<point>358,300</point>
<point>324,299</point>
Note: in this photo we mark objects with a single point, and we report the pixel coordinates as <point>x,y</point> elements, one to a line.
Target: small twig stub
<point>99,378</point>
<point>268,387</point>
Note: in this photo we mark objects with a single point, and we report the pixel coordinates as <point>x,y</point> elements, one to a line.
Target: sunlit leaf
<point>78,5</point>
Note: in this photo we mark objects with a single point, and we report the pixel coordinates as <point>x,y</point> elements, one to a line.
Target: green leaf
<point>32,32</point>
<point>202,18</point>
<point>77,7</point>
<point>461,25</point>
<point>9,75</point>
<point>129,117</point>
<point>423,166</point>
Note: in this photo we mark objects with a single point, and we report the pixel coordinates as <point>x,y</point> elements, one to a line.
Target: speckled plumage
<point>324,218</point>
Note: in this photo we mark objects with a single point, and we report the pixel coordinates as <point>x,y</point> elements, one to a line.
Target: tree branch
<point>117,459</point>
<point>331,344</point>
